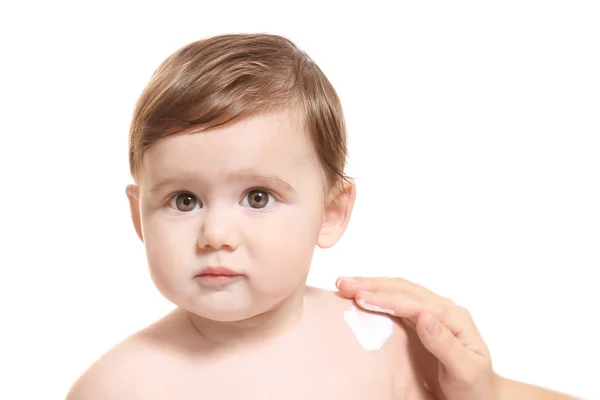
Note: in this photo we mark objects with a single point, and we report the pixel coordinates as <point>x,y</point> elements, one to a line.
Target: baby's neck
<point>262,329</point>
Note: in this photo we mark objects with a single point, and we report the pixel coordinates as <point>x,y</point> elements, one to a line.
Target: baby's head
<point>237,148</point>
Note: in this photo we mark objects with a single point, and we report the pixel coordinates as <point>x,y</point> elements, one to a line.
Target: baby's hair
<point>221,79</point>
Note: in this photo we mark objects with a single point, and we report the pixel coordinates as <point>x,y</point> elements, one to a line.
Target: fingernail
<point>349,281</point>
<point>431,324</point>
<point>361,302</point>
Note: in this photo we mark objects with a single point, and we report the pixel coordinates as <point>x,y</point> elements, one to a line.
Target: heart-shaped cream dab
<point>371,330</point>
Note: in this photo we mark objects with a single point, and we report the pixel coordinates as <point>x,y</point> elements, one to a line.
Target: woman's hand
<point>452,358</point>
<point>457,365</point>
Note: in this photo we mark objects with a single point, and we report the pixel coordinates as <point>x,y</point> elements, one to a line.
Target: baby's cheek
<point>286,256</point>
<point>165,251</point>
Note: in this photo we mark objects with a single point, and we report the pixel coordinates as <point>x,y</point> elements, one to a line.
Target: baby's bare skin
<point>320,358</point>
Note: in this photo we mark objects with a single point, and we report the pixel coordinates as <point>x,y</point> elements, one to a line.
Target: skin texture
<point>453,358</point>
<point>263,334</point>
<point>318,359</point>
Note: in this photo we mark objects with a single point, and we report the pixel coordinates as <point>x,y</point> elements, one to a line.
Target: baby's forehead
<point>260,142</point>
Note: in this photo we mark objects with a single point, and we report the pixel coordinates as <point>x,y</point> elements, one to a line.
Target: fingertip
<point>346,282</point>
<point>431,324</point>
<point>429,327</point>
<point>440,342</point>
<point>343,289</point>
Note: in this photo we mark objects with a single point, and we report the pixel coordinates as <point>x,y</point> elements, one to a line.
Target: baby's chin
<point>237,301</point>
<point>222,313</point>
<point>258,311</point>
<point>227,307</point>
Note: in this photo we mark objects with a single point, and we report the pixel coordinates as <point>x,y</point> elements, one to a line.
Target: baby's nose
<point>218,230</point>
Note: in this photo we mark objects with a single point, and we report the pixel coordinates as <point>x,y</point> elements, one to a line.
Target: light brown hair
<point>220,79</point>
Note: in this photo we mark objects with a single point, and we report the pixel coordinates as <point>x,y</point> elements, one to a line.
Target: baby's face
<point>248,197</point>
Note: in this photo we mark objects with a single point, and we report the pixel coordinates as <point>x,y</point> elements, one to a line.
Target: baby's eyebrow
<point>244,175</point>
<point>267,179</point>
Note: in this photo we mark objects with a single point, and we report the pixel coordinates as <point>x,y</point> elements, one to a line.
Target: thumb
<point>440,342</point>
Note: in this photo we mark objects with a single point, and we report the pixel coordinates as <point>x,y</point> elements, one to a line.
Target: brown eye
<point>185,202</point>
<point>258,199</point>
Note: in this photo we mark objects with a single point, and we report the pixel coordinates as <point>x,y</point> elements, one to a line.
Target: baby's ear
<point>336,215</point>
<point>133,195</point>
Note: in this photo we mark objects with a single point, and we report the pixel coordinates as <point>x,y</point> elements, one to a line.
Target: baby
<point>237,148</point>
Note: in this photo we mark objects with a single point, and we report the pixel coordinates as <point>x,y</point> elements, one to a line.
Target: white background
<point>474,138</point>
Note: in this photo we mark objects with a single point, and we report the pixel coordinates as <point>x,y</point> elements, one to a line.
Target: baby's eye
<point>258,198</point>
<point>184,202</point>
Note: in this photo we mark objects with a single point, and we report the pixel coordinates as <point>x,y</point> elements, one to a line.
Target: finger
<point>373,283</point>
<point>457,360</point>
<point>399,305</point>
<point>455,318</point>
<point>348,287</point>
<point>409,306</point>
<point>382,283</point>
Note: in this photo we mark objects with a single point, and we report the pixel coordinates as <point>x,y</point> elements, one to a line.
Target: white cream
<point>371,307</point>
<point>371,330</point>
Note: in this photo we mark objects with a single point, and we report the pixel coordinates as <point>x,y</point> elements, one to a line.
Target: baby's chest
<point>316,384</point>
<point>295,379</point>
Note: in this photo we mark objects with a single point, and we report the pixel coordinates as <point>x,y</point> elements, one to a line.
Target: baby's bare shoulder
<point>129,369</point>
<point>115,375</point>
<point>396,356</point>
<point>336,311</point>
